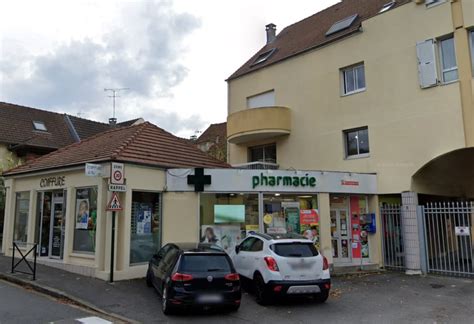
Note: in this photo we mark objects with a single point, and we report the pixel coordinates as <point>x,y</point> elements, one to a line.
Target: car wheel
<point>165,304</point>
<point>149,281</point>
<point>261,292</point>
<point>322,296</point>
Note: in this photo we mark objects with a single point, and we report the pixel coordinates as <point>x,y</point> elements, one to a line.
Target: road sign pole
<point>112,249</point>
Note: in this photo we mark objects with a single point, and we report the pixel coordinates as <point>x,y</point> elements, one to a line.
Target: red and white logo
<point>117,173</point>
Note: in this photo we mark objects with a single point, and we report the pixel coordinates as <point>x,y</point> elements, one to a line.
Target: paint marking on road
<point>93,320</point>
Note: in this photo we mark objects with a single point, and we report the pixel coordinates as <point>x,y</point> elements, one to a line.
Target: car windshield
<point>294,250</point>
<point>204,263</point>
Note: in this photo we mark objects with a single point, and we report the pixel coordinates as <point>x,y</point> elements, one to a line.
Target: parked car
<point>194,274</point>
<point>282,265</point>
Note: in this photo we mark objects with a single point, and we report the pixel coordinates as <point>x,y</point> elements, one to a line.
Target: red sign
<point>309,217</point>
<point>349,183</point>
<point>114,203</point>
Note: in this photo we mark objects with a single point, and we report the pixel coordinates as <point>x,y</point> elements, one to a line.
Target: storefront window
<point>292,214</point>
<point>145,226</point>
<point>21,216</point>
<point>86,220</point>
<point>226,218</point>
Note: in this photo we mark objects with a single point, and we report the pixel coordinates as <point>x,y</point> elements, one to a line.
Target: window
<point>86,220</point>
<point>247,244</point>
<point>294,250</point>
<point>266,99</point>
<point>21,216</point>
<point>357,142</point>
<point>264,56</point>
<point>145,226</point>
<point>256,246</point>
<point>471,38</point>
<point>449,69</point>
<point>204,263</point>
<point>341,25</point>
<point>264,153</point>
<point>387,6</point>
<point>353,79</point>
<point>432,3</point>
<point>39,125</point>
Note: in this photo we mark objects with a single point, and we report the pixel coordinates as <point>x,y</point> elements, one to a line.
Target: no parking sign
<point>117,175</point>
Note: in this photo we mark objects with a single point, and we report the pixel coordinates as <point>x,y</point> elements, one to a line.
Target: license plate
<point>209,299</point>
<point>294,290</point>
<point>301,265</point>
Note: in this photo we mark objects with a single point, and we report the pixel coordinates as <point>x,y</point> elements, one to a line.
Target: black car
<point>194,274</point>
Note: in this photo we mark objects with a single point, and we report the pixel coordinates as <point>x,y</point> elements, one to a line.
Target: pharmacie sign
<point>286,181</point>
<point>298,181</point>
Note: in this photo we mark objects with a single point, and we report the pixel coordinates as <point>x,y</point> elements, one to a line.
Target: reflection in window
<point>357,141</point>
<point>21,216</point>
<point>85,220</point>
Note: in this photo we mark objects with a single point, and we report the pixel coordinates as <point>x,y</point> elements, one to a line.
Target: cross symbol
<point>199,179</point>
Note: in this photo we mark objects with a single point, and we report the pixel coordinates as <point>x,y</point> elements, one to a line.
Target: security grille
<point>448,236</point>
<point>394,256</point>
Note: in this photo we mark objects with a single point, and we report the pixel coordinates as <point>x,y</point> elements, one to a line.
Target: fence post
<point>13,257</point>
<point>420,215</point>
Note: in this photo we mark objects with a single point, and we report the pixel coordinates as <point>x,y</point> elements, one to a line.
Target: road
<point>20,305</point>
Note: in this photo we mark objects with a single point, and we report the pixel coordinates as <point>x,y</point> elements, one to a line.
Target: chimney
<point>271,32</point>
<point>112,121</point>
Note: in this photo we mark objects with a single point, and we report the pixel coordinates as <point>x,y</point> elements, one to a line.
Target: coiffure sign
<point>58,181</point>
<point>241,180</point>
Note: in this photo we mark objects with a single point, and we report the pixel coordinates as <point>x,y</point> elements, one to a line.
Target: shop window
<point>21,216</point>
<point>357,142</point>
<point>471,41</point>
<point>263,153</point>
<point>447,54</point>
<point>86,220</point>
<point>145,226</point>
<point>226,218</point>
<point>292,214</point>
<point>353,79</point>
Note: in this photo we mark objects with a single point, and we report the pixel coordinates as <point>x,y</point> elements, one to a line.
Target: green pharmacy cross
<point>199,179</point>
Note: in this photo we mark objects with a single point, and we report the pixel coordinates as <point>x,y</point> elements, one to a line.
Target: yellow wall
<point>408,126</point>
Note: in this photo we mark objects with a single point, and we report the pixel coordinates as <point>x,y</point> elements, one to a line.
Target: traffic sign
<point>114,203</point>
<point>117,175</point>
<point>118,188</point>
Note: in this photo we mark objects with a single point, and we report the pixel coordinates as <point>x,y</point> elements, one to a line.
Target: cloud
<point>141,51</point>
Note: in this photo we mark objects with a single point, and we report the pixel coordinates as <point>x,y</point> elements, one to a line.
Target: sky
<point>173,56</point>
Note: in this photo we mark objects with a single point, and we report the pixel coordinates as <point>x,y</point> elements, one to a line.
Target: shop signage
<point>118,188</point>
<point>199,179</point>
<point>58,181</point>
<point>117,175</point>
<point>349,183</point>
<point>273,181</point>
<point>93,170</point>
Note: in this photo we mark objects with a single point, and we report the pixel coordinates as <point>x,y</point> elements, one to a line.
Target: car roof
<point>281,237</point>
<point>196,247</point>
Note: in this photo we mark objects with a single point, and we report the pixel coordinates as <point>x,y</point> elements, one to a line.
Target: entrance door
<point>52,213</point>
<point>340,235</point>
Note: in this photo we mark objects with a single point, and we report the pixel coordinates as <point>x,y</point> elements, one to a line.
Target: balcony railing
<point>257,166</point>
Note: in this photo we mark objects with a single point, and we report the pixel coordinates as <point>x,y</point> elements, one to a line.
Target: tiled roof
<point>212,132</point>
<point>141,144</point>
<point>86,128</point>
<point>310,33</point>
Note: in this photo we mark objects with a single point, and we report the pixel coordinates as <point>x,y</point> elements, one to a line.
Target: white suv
<point>282,264</point>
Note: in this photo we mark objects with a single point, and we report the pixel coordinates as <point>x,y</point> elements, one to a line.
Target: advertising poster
<point>292,215</point>
<point>82,213</point>
<point>144,219</point>
<point>309,225</point>
<point>229,213</point>
<point>225,236</point>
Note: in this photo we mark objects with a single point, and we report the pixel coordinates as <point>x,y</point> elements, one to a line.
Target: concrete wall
<point>408,126</point>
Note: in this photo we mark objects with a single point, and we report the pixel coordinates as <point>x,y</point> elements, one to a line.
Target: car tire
<point>149,281</point>
<point>322,296</point>
<point>165,304</point>
<point>261,291</point>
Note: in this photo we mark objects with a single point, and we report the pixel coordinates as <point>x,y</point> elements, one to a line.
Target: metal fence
<point>448,236</point>
<point>393,251</point>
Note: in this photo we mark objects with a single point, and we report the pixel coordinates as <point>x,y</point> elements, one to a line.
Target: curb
<point>62,295</point>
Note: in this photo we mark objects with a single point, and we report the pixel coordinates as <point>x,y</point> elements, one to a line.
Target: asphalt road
<point>20,305</point>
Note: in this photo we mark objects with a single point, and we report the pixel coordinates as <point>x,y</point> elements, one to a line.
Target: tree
<point>9,161</point>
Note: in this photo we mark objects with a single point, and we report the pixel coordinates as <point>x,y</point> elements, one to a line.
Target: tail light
<point>232,277</point>
<point>181,277</point>
<point>325,263</point>
<point>271,263</point>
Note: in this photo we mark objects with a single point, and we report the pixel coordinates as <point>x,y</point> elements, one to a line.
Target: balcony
<point>257,124</point>
<point>257,166</point>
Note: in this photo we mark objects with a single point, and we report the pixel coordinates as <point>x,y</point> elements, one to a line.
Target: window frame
<point>353,69</point>
<point>17,215</point>
<point>471,47</point>
<point>346,144</point>
<point>434,3</point>
<point>263,146</point>
<point>442,70</point>
<point>39,126</point>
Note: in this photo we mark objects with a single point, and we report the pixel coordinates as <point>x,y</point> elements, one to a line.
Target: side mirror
<point>237,249</point>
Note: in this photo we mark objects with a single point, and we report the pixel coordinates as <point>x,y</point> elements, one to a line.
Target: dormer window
<point>264,56</point>
<point>39,126</point>
<point>341,25</point>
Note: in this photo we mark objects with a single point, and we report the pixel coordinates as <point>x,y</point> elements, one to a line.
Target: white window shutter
<point>427,70</point>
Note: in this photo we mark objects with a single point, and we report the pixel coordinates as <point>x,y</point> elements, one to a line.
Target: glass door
<point>45,223</point>
<point>340,239</point>
<point>56,241</point>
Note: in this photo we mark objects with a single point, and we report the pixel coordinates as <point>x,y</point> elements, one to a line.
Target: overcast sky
<point>174,55</point>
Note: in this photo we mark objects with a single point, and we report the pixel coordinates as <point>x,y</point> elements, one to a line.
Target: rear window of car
<point>294,250</point>
<point>204,263</point>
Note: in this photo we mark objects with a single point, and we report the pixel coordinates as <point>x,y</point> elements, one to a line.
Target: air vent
<point>341,25</point>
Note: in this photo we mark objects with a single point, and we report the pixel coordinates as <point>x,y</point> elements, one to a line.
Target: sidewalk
<point>119,300</point>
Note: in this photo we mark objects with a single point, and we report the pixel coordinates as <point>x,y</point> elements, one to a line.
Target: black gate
<point>392,239</point>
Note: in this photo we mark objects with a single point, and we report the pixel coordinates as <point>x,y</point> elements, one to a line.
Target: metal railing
<point>448,236</point>
<point>392,237</point>
<point>16,246</point>
<point>257,166</point>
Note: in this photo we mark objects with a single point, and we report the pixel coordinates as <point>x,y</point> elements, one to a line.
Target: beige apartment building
<point>375,86</point>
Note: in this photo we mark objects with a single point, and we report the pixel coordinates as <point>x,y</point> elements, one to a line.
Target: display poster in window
<point>225,236</point>
<point>83,214</point>
<point>309,225</point>
<point>144,219</point>
<point>229,213</point>
<point>292,216</point>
